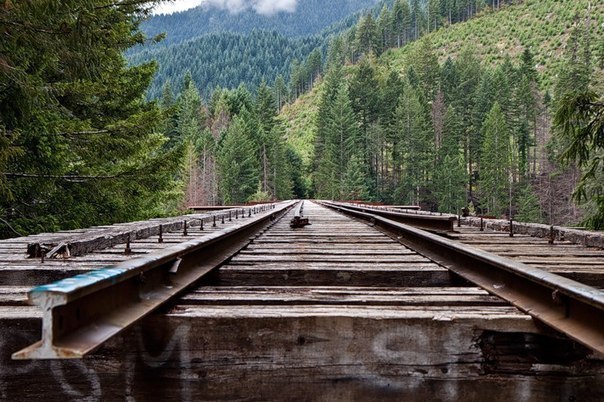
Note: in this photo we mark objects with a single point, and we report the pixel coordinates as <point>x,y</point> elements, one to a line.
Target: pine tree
<point>89,150</point>
<point>449,81</point>
<point>528,205</point>
<point>465,102</point>
<point>239,171</point>
<point>295,164</point>
<point>434,7</point>
<point>384,29</point>
<point>575,73</point>
<point>426,66</point>
<point>415,148</point>
<point>266,114</point>
<point>450,173</point>
<point>401,20</point>
<point>495,164</point>
<point>392,89</point>
<point>365,96</point>
<point>354,186</point>
<point>280,92</point>
<point>343,130</point>
<point>341,139</point>
<point>323,146</point>
<point>367,37</point>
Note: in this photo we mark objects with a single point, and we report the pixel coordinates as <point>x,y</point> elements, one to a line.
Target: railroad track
<point>342,309</point>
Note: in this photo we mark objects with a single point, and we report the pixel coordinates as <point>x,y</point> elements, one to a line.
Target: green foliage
<point>354,185</point>
<point>239,170</point>
<point>226,59</point>
<point>528,205</point>
<point>310,18</point>
<point>415,148</point>
<point>450,171</point>
<point>539,25</point>
<point>580,119</point>
<point>337,140</point>
<point>79,144</point>
<point>495,162</point>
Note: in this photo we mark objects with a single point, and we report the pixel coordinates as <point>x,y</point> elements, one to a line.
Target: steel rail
<point>428,222</point>
<point>378,206</point>
<point>299,221</point>
<point>570,307</point>
<point>83,312</point>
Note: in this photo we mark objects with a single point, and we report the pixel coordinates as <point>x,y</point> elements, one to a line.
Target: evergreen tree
<point>450,173</point>
<point>384,29</point>
<point>365,96</point>
<point>575,73</point>
<point>280,91</point>
<point>314,67</point>
<point>263,136</point>
<point>322,161</point>
<point>169,112</point>
<point>294,162</point>
<point>469,73</point>
<point>341,139</point>
<point>426,66</point>
<point>367,36</point>
<point>449,79</point>
<point>239,171</point>
<point>189,121</point>
<point>354,186</point>
<point>280,180</point>
<point>401,20</point>
<point>392,89</point>
<point>528,205</point>
<point>415,148</point>
<point>79,144</point>
<point>434,8</point>
<point>336,54</point>
<point>495,164</point>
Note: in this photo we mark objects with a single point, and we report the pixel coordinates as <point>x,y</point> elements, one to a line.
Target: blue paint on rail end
<point>69,285</point>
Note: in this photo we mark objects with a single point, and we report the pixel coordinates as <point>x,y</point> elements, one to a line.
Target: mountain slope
<point>541,25</point>
<point>226,59</point>
<point>310,17</point>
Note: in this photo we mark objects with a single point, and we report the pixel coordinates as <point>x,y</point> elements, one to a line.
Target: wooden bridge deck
<point>333,311</point>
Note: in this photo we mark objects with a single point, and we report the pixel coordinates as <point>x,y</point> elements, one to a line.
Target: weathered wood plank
<point>338,296</point>
<point>234,275</point>
<point>323,258</point>
<point>260,353</point>
<point>334,251</point>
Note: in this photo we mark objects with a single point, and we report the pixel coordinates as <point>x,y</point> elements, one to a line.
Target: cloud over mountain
<point>264,7</point>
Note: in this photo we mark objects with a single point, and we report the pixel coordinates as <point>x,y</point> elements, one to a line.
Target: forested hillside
<point>223,47</point>
<point>542,26</point>
<point>485,105</point>
<point>456,119</point>
<point>227,60</point>
<point>309,18</point>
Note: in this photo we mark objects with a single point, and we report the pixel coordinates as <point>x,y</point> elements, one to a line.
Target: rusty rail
<point>83,312</point>
<point>570,307</point>
<point>424,221</point>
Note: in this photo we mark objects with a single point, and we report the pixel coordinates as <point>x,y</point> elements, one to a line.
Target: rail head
<point>435,223</point>
<point>82,312</point>
<point>565,305</point>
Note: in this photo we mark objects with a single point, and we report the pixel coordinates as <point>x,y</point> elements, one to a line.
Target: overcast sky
<point>265,7</point>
